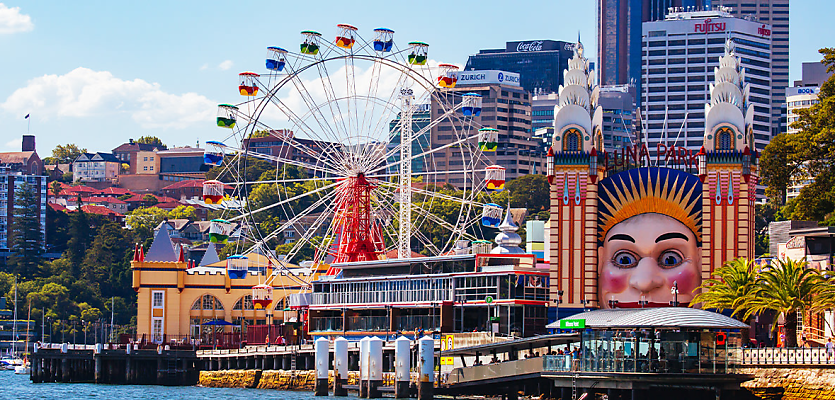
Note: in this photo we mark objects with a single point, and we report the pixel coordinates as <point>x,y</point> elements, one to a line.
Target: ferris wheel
<point>361,169</point>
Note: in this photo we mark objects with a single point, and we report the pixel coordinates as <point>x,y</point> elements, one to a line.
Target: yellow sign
<point>447,343</point>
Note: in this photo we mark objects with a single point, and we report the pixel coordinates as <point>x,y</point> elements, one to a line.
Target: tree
<point>57,234</point>
<point>107,262</point>
<point>531,192</point>
<point>144,220</point>
<point>26,235</point>
<point>806,154</point>
<point>183,212</point>
<point>55,188</point>
<point>787,287</point>
<point>152,140</point>
<point>732,284</point>
<point>65,154</point>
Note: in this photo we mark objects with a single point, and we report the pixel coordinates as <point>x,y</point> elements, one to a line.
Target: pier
<point>113,364</point>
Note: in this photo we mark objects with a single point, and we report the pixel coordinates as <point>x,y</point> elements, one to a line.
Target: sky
<point>96,73</point>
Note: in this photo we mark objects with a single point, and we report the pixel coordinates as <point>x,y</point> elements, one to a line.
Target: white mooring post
<point>340,366</point>
<point>426,360</point>
<point>364,367</point>
<point>375,367</point>
<point>402,365</point>
<point>322,352</point>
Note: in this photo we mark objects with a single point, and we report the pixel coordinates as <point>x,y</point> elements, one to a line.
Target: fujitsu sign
<point>535,45</point>
<point>763,31</point>
<point>707,27</point>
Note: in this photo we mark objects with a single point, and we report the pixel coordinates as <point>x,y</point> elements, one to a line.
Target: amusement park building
<point>632,229</point>
<point>506,107</point>
<point>539,63</point>
<point>177,300</point>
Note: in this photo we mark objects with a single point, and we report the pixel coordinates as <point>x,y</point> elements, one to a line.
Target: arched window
<point>207,302</point>
<point>724,139</point>
<point>571,140</point>
<point>244,303</point>
<point>598,141</point>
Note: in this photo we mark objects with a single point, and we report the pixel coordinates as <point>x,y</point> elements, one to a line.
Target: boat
<point>23,369</point>
<point>9,363</point>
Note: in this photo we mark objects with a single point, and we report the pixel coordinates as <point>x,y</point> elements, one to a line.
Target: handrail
<point>787,356</point>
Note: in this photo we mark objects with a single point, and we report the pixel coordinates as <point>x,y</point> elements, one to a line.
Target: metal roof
<point>660,317</point>
<point>519,344</point>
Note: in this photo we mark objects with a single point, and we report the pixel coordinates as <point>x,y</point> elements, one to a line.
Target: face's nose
<point>646,277</point>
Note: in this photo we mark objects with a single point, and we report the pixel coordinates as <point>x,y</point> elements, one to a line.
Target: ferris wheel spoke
<point>310,102</point>
<point>285,201</point>
<point>432,194</point>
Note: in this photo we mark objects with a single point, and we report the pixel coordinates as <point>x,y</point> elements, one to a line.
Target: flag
<point>26,117</point>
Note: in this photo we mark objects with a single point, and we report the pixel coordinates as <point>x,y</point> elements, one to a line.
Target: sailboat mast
<point>14,324</point>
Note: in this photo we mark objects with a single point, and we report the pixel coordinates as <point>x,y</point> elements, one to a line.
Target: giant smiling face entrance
<point>649,237</point>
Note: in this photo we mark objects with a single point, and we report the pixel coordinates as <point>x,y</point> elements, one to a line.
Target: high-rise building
<point>539,62</point>
<point>17,169</point>
<point>618,116</point>
<point>420,144</point>
<point>772,15</point>
<point>619,37</point>
<point>506,106</point>
<point>681,54</point>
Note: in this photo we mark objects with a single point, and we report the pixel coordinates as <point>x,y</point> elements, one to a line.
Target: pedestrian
<point>830,349</point>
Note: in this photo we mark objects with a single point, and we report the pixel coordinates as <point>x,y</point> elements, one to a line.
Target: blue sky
<point>96,73</point>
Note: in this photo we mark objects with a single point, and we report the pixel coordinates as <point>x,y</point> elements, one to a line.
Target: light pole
<point>674,292</point>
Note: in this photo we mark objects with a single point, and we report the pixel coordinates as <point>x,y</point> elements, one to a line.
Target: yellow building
<point>175,298</point>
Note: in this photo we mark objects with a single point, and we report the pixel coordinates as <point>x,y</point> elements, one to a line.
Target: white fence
<point>787,356</point>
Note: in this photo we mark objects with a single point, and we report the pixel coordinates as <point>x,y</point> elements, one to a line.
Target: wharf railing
<point>765,356</point>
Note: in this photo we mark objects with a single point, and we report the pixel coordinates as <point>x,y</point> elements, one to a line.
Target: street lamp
<point>702,159</point>
<point>593,165</point>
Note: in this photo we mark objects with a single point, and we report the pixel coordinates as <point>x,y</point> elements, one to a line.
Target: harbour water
<point>19,387</point>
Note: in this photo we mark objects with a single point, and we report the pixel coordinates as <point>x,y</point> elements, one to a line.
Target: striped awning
<point>661,317</point>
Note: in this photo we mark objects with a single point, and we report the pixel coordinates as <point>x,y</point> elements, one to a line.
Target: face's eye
<point>625,259</point>
<point>670,259</point>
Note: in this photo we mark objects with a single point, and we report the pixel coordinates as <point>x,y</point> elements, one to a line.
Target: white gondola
<point>491,215</point>
<point>236,266</point>
<point>471,105</point>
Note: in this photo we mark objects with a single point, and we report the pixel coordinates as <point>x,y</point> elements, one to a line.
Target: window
<point>724,139</point>
<point>244,303</point>
<point>157,299</point>
<point>571,140</point>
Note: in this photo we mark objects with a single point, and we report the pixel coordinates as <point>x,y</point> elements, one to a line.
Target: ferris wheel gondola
<point>248,86</point>
<point>310,42</point>
<point>276,58</point>
<point>345,37</point>
<point>383,39</point>
<point>418,53</point>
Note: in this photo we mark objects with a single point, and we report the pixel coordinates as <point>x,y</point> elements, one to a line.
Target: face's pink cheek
<point>613,280</point>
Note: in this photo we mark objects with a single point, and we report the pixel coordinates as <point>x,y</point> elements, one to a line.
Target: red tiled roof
<point>169,205</point>
<point>117,191</point>
<point>100,210</point>
<point>160,199</point>
<point>98,199</point>
<point>58,207</point>
<point>79,189</point>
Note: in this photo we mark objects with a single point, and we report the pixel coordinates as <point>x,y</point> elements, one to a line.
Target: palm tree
<point>786,288</point>
<point>731,284</point>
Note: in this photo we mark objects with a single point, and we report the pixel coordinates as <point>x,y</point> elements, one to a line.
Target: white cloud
<point>12,21</point>
<point>86,93</point>
<point>225,65</point>
<point>14,144</point>
<point>204,67</point>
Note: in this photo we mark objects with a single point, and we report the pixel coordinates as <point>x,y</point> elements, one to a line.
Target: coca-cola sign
<point>763,31</point>
<point>535,45</point>
<point>708,26</point>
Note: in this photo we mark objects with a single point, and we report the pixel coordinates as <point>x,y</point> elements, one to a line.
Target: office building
<point>619,37</point>
<point>681,54</point>
<point>539,62</point>
<point>127,153</point>
<point>506,106</point>
<point>772,15</point>
<point>618,116</point>
<point>420,144</point>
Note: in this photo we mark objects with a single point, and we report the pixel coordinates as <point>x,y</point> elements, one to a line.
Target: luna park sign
<point>637,155</point>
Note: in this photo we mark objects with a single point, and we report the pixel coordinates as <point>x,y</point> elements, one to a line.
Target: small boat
<point>23,369</point>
